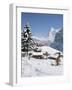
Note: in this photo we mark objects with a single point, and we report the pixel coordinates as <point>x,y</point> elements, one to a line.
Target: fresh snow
<point>41,67</point>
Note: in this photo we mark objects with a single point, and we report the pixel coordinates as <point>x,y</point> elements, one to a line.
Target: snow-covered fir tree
<point>27,42</point>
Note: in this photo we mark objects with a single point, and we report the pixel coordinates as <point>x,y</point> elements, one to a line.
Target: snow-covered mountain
<point>58,42</point>
<point>40,41</point>
<point>51,35</point>
<point>46,41</point>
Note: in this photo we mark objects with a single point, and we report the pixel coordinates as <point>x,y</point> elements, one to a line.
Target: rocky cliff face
<point>58,42</point>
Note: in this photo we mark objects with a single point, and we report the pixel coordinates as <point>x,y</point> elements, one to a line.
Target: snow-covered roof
<point>37,53</point>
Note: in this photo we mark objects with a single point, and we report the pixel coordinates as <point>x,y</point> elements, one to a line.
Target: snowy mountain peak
<point>40,38</point>
<point>58,42</point>
<point>40,41</point>
<point>52,33</point>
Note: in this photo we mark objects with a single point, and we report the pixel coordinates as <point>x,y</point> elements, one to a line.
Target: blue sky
<point>40,24</point>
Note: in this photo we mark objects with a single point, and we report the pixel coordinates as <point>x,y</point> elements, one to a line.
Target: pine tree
<point>26,40</point>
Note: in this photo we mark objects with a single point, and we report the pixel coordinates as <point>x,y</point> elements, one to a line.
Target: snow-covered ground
<point>41,67</point>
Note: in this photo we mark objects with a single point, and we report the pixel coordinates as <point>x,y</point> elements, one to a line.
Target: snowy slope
<point>41,67</point>
<point>49,49</point>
